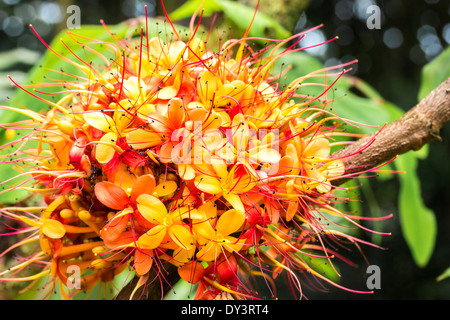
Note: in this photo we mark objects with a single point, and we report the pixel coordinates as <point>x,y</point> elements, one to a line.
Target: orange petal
<point>230,221</point>
<point>144,184</point>
<point>143,260</point>
<point>209,252</point>
<point>111,195</point>
<point>205,230</point>
<point>114,229</point>
<point>159,123</point>
<point>122,176</point>
<point>232,244</point>
<point>186,212</point>
<point>142,139</point>
<point>268,155</point>
<point>133,86</point>
<point>176,112</point>
<point>156,48</point>
<point>241,133</point>
<point>191,272</point>
<point>207,87</point>
<point>334,168</point>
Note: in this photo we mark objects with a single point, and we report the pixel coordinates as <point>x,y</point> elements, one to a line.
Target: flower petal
<point>182,256</point>
<point>111,195</point>
<point>100,121</point>
<point>104,152</point>
<point>181,236</point>
<point>208,184</point>
<point>318,148</point>
<point>145,184</point>
<point>151,208</point>
<point>176,112</point>
<point>334,168</point>
<point>240,134</point>
<point>209,252</point>
<point>191,272</point>
<point>230,221</point>
<point>205,230</point>
<point>142,139</point>
<point>207,87</point>
<point>114,228</point>
<point>186,212</point>
<point>167,93</point>
<point>165,188</point>
<point>235,201</point>
<point>143,260</point>
<point>186,171</point>
<point>152,238</point>
<point>232,244</point>
<point>268,155</point>
<point>53,229</point>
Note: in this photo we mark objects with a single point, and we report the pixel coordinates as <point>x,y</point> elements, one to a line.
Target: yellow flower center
<point>167,221</point>
<point>220,238</point>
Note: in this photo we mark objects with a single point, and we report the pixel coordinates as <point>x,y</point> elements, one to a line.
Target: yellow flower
<point>217,238</point>
<point>166,223</point>
<point>229,184</point>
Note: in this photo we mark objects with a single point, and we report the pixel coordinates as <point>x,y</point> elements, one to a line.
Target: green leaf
<point>434,73</point>
<point>242,16</point>
<point>350,97</point>
<point>187,9</point>
<point>321,265</point>
<point>19,55</point>
<point>444,275</point>
<point>238,13</point>
<point>417,221</point>
<point>181,291</point>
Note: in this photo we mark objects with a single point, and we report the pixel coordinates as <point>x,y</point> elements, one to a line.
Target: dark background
<point>390,59</point>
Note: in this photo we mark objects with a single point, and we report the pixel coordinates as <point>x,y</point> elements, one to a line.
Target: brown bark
<point>412,131</point>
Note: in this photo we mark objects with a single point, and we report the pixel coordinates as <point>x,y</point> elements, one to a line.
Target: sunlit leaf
<point>417,221</point>
<point>434,73</point>
<point>260,26</point>
<point>444,275</point>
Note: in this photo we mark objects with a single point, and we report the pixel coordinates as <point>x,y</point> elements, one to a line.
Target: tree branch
<point>412,131</point>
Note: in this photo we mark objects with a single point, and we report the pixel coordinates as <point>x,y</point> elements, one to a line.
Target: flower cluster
<point>177,153</point>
